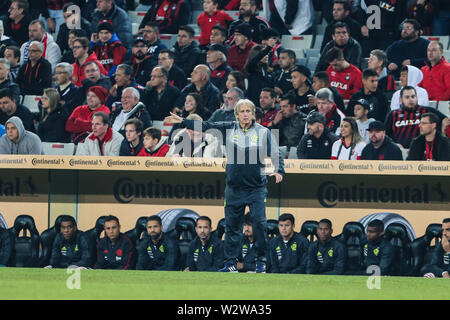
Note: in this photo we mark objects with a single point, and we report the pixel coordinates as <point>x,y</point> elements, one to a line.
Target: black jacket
<point>441,259</point>
<point>126,149</point>
<point>209,257</point>
<point>120,256</point>
<point>312,148</point>
<point>24,114</point>
<point>63,34</point>
<point>328,258</point>
<point>290,257</point>
<point>160,256</point>
<point>69,97</point>
<point>188,58</point>
<point>258,26</point>
<point>177,77</point>
<point>13,87</point>
<point>291,129</point>
<point>354,30</point>
<point>73,252</point>
<point>440,149</point>
<point>387,151</point>
<point>53,129</point>
<point>219,76</point>
<point>379,105</point>
<point>20,35</point>
<point>160,107</point>
<point>380,253</point>
<point>247,256</point>
<point>33,80</point>
<point>139,111</point>
<point>352,54</point>
<point>6,246</point>
<point>282,80</point>
<point>177,15</point>
<point>80,98</point>
<point>142,70</point>
<point>209,93</point>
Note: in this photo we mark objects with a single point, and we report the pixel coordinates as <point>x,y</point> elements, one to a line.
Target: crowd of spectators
<point>97,76</point>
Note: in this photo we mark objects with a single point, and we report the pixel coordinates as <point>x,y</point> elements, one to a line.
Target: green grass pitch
<point>18,283</point>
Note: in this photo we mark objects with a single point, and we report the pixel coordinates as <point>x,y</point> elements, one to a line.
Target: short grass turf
<point>18,283</point>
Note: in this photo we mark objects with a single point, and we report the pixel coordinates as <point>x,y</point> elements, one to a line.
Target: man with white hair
<point>36,74</point>
<point>36,32</point>
<point>327,107</point>
<point>247,145</point>
<point>216,58</point>
<point>66,89</point>
<point>130,107</point>
<point>201,84</point>
<point>226,113</point>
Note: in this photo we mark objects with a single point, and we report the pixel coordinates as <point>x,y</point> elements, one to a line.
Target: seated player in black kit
<point>326,255</point>
<point>70,247</point>
<point>440,265</point>
<point>156,251</point>
<point>206,250</point>
<point>115,250</point>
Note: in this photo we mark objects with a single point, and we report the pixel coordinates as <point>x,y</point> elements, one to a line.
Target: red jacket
<point>80,119</point>
<point>110,54</point>
<point>78,71</point>
<point>206,23</point>
<point>237,58</point>
<point>160,152</point>
<point>347,82</point>
<point>436,80</point>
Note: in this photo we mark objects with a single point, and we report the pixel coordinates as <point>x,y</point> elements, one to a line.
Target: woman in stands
<point>52,119</point>
<point>259,73</point>
<point>235,79</point>
<point>351,144</point>
<point>194,104</point>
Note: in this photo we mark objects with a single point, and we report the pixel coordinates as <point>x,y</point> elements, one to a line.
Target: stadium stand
<point>54,148</point>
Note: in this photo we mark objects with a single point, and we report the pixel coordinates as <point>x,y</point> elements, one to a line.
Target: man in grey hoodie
<point>17,140</point>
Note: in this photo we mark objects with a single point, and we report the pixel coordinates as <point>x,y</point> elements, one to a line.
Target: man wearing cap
<point>381,147</point>
<point>317,143</point>
<point>119,19</point>
<point>141,61</point>
<point>286,61</point>
<point>378,102</point>
<point>248,14</point>
<point>301,83</point>
<point>108,48</point>
<point>79,122</point>
<point>103,141</point>
<point>239,52</point>
<point>216,58</point>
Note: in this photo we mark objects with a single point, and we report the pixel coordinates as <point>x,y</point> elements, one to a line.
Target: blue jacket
<point>160,256</point>
<point>380,253</point>
<point>401,50</point>
<point>209,257</point>
<point>328,258</point>
<point>242,147</point>
<point>290,257</point>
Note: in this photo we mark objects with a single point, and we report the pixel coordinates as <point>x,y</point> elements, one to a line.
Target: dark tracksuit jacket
<point>142,70</point>
<point>205,258</point>
<point>380,253</point>
<point>290,257</point>
<point>34,79</point>
<point>247,255</point>
<point>245,182</point>
<point>160,256</point>
<point>118,256</point>
<point>73,252</point>
<point>440,262</point>
<point>160,105</point>
<point>6,246</point>
<point>312,148</point>
<point>387,151</point>
<point>328,258</point>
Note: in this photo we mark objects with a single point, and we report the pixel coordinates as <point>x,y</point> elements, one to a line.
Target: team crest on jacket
<point>347,77</point>
<point>119,252</point>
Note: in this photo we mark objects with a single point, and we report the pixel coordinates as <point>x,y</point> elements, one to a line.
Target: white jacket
<point>415,76</point>
<point>91,147</point>
<point>52,54</point>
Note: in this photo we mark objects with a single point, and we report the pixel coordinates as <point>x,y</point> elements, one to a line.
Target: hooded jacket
<point>79,122</point>
<point>415,76</point>
<point>27,143</point>
<point>161,149</point>
<point>109,54</point>
<point>91,147</point>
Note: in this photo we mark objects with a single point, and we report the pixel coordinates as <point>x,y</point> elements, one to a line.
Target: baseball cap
<point>140,39</point>
<point>303,70</point>
<point>376,125</point>
<point>314,117</point>
<point>364,103</point>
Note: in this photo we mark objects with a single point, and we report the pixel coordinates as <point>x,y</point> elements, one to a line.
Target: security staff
<point>247,146</point>
<point>206,250</point>
<point>116,250</point>
<point>157,251</point>
<point>326,255</point>
<point>289,250</point>
<point>70,247</point>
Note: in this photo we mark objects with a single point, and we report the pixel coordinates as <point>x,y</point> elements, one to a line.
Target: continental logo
<point>43,161</point>
<point>350,166</point>
<point>153,163</point>
<point>430,167</point>
<point>82,162</point>
<point>309,165</point>
<point>126,190</point>
<point>120,163</point>
<point>13,161</point>
<point>197,164</point>
<point>392,167</point>
<point>329,194</point>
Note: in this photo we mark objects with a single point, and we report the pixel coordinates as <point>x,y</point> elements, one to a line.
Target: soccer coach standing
<point>247,145</point>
